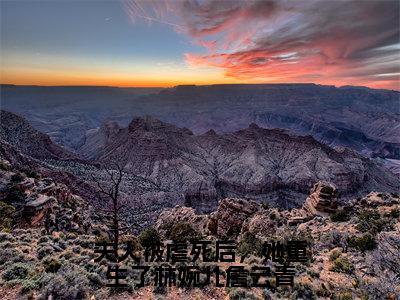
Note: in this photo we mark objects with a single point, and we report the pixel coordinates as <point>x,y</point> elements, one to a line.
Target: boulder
<point>26,185</point>
<point>227,221</point>
<point>264,223</point>
<point>181,214</point>
<point>322,200</point>
<point>36,208</point>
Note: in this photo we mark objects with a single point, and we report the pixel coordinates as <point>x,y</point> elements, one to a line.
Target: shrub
<point>80,260</point>
<point>5,165</point>
<point>44,239</point>
<point>28,286</point>
<point>367,215</point>
<point>44,251</point>
<point>31,173</point>
<point>15,196</point>
<point>132,244</point>
<point>149,237</point>
<point>91,266</point>
<point>6,216</point>
<point>17,178</point>
<point>27,238</point>
<point>265,205</point>
<point>334,255</point>
<point>342,265</point>
<point>95,279</point>
<point>25,249</point>
<point>241,294</point>
<point>69,282</point>
<point>370,220</point>
<point>51,265</point>
<point>76,249</point>
<point>7,244</point>
<point>31,283</point>
<point>70,236</point>
<point>340,216</point>
<point>313,274</point>
<point>362,243</point>
<point>160,290</point>
<point>333,239</point>
<point>85,241</point>
<point>304,291</point>
<point>250,244</point>
<point>67,254</point>
<point>345,296</point>
<point>87,252</point>
<point>181,232</point>
<point>323,292</point>
<point>10,255</point>
<point>266,294</point>
<point>17,271</point>
<point>395,213</point>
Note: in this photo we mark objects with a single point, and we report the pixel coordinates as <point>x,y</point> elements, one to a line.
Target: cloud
<point>334,42</point>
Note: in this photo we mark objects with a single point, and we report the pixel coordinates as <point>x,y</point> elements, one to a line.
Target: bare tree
<point>123,214</point>
<point>110,192</point>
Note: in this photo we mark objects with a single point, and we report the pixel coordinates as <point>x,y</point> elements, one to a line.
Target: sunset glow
<point>166,43</point>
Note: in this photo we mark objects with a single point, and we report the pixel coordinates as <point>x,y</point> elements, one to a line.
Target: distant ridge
<point>78,86</point>
<point>239,85</point>
<point>253,162</point>
<point>19,133</point>
<point>362,119</point>
<point>169,163</point>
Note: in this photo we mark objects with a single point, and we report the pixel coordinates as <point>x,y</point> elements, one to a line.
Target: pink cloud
<point>333,42</point>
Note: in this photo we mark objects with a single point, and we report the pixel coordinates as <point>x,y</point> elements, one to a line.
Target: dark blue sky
<point>82,37</point>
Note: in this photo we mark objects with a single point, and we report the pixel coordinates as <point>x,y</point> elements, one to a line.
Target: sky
<point>166,43</point>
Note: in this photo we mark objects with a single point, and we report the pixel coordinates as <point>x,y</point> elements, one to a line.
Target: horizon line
<point>199,85</point>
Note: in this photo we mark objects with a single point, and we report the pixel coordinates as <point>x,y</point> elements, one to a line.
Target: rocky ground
<point>354,250</point>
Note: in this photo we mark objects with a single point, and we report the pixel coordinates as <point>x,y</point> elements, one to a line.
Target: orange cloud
<point>330,42</point>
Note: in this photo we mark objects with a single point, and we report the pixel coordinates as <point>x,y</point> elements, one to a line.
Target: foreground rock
<point>322,200</point>
<point>177,215</point>
<point>42,202</point>
<point>227,221</point>
<point>355,253</point>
